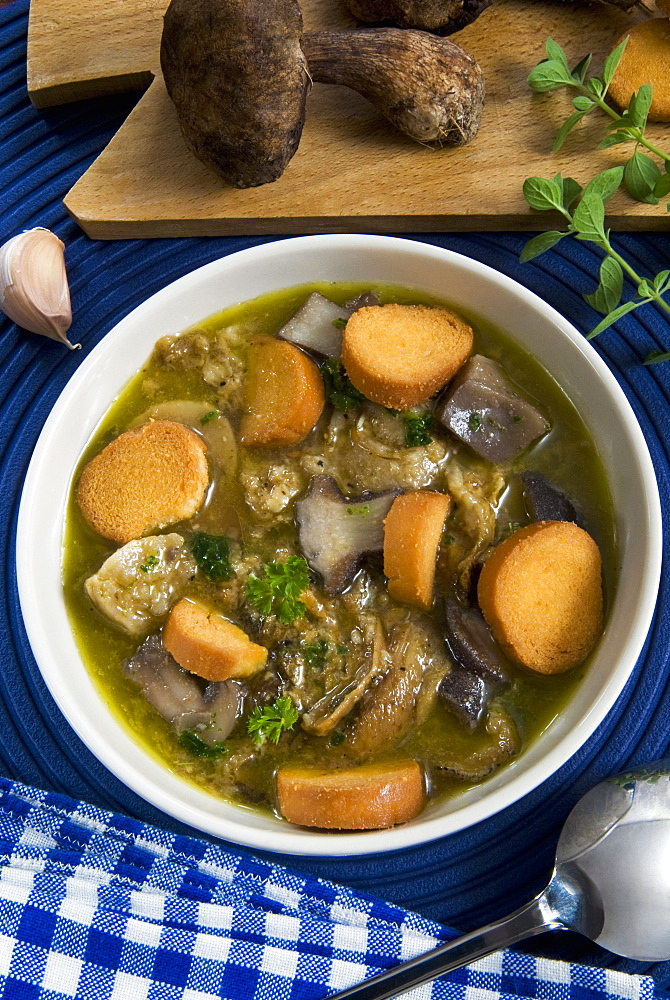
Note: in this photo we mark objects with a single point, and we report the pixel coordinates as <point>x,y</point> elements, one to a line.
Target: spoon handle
<point>533,918</point>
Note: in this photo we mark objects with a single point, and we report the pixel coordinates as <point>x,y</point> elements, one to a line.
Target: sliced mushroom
<point>331,709</point>
<point>486,410</point>
<point>179,698</point>
<point>471,643</point>
<point>238,80</point>
<point>137,585</point>
<point>428,87</point>
<point>544,501</point>
<point>317,326</point>
<point>336,532</point>
<point>480,763</point>
<point>465,695</point>
<point>387,710</point>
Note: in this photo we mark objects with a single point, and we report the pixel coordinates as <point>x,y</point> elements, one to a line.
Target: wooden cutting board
<point>352,172</point>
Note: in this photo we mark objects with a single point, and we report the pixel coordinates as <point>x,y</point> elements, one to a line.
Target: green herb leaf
<point>189,740</point>
<point>270,722</point>
<point>662,185</point>
<point>417,426</point>
<point>339,323</point>
<point>212,554</point>
<point>337,739</point>
<point>612,61</point>
<point>566,128</point>
<point>615,139</point>
<point>608,293</point>
<point>277,591</point>
<point>542,194</point>
<point>662,281</point>
<point>151,563</point>
<point>538,244</point>
<point>583,103</point>
<point>339,389</point>
<point>605,184</point>
<point>571,190</point>
<point>475,421</point>
<point>589,218</point>
<point>640,177</point>
<point>555,52</point>
<point>613,317</point>
<point>358,510</point>
<point>315,653</point>
<point>656,356</point>
<point>638,107</point>
<point>581,69</point>
<point>206,417</point>
<point>549,75</point>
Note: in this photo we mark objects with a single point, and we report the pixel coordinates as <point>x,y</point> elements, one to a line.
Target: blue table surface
<point>465,879</point>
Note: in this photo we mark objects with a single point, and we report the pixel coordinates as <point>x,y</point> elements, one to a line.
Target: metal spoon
<point>611,882</point>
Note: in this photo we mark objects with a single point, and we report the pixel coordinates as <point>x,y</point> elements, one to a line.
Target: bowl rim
<point>278,836</point>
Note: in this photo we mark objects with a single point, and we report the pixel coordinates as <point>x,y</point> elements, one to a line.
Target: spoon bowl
<point>611,883</point>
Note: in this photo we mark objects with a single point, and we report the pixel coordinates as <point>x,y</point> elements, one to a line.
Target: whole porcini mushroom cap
<point>237,77</point>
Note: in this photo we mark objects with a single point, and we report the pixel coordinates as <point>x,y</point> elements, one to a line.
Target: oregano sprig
<point>643,178</point>
<point>584,210</point>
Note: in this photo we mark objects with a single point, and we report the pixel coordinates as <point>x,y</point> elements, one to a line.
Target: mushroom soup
<point>334,593</point>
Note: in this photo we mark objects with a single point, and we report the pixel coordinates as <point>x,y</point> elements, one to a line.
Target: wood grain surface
<point>352,172</point>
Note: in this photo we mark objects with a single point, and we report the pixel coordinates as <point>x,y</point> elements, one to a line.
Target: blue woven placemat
<point>468,878</point>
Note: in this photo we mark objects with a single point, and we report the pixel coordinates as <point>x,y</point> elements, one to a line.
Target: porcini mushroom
<point>238,79</point>
<point>237,73</point>
<point>427,86</point>
<point>441,16</point>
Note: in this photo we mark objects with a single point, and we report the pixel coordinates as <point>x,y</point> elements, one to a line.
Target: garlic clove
<point>34,290</point>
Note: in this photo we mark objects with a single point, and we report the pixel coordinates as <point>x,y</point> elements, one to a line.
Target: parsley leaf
<point>212,554</point>
<point>151,563</point>
<point>475,421</point>
<point>269,723</point>
<point>206,417</point>
<point>417,426</point>
<point>339,389</point>
<point>315,653</point>
<point>189,740</point>
<point>276,592</point>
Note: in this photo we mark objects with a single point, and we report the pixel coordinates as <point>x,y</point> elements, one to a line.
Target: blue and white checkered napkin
<point>96,905</point>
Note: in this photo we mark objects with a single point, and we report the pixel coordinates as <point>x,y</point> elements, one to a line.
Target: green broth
<point>566,455</point>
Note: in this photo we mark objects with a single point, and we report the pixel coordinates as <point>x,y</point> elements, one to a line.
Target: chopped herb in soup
<point>338,550</point>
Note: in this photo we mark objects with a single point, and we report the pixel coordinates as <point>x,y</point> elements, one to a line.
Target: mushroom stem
<point>426,86</point>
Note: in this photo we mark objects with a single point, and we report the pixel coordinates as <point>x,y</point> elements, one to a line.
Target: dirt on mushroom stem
<point>427,86</point>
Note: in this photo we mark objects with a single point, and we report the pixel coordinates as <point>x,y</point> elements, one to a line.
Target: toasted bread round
<point>145,479</point>
<point>412,532</point>
<point>207,644</point>
<point>400,355</point>
<point>646,59</point>
<point>283,397</point>
<point>371,797</point>
<point>541,592</point>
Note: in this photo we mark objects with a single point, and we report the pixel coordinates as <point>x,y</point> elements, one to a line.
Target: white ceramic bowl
<point>247,274</point>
